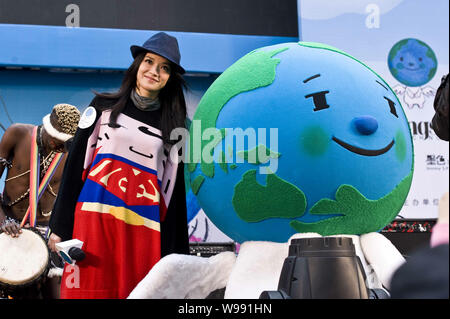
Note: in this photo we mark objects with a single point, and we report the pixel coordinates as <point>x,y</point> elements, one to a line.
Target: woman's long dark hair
<point>171,98</point>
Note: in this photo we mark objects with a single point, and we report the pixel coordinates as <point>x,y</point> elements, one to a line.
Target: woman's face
<point>152,75</point>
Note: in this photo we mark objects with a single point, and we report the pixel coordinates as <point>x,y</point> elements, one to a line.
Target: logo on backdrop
<point>422,131</point>
<point>415,202</point>
<point>436,162</point>
<point>413,63</point>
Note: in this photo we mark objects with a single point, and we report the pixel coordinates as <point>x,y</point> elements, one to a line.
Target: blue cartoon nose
<point>365,125</point>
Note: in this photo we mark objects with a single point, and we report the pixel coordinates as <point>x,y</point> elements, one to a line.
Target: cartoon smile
<point>145,155</point>
<point>362,151</point>
<point>412,69</point>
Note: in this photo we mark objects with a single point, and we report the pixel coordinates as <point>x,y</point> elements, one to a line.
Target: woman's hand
<point>52,241</point>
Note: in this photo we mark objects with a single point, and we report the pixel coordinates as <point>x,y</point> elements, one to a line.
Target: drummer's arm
<point>7,144</point>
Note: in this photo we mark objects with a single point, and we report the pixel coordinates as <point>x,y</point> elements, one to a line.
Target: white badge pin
<point>88,118</point>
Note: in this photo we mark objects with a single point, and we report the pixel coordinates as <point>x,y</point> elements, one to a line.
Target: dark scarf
<point>144,103</point>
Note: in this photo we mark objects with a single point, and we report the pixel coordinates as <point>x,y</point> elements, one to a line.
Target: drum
<point>24,262</point>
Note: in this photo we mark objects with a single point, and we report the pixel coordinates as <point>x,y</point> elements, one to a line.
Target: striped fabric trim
<point>121,213</point>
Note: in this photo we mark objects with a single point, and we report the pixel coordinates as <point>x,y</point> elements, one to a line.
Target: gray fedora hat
<point>164,45</point>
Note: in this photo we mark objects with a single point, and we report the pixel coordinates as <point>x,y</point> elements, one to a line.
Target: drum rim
<point>13,286</point>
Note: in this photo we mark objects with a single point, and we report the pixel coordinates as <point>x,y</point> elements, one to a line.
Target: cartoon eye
<point>401,58</point>
<point>420,59</point>
<point>145,130</point>
<point>319,99</point>
<point>392,106</point>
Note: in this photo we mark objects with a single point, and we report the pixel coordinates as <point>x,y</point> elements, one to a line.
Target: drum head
<point>22,259</point>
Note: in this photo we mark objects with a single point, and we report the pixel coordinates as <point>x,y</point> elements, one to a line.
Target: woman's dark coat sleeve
<point>174,229</point>
<point>62,218</point>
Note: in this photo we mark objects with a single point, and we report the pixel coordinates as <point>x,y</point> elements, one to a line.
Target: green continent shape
<point>258,155</point>
<point>254,70</point>
<point>278,199</point>
<point>359,215</point>
<point>196,183</point>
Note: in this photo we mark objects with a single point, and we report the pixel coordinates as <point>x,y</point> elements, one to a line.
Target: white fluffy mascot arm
<point>382,256</point>
<point>185,277</point>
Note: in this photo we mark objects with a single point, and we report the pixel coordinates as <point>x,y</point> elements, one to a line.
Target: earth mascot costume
<point>327,151</point>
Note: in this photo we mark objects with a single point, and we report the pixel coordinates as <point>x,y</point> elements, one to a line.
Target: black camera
<point>323,268</point>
